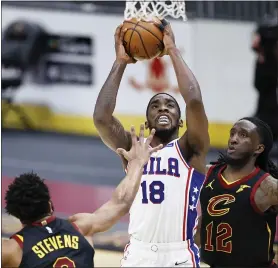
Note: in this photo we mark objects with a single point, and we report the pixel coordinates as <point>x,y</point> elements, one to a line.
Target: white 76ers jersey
<point>165,207</point>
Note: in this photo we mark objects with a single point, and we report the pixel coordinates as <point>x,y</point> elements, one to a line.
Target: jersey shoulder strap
<point>212,172</point>
<point>19,238</point>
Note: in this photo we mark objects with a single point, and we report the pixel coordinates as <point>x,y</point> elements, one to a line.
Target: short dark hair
<point>179,109</point>
<point>266,138</point>
<point>27,198</point>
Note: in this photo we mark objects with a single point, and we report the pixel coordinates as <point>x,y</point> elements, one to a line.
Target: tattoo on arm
<point>270,188</point>
<point>110,129</point>
<point>114,135</point>
<point>106,100</point>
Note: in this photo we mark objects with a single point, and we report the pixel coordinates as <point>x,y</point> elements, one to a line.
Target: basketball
<point>143,40</point>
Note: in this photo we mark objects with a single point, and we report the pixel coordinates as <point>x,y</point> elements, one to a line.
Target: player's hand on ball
<point>168,36</point>
<point>121,54</point>
<point>140,149</point>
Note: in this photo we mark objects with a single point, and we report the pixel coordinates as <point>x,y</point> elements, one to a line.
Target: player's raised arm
<point>119,204</point>
<point>110,129</point>
<point>196,135</point>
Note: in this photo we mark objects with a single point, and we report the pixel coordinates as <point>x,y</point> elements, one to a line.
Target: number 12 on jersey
<point>223,233</point>
<point>155,193</point>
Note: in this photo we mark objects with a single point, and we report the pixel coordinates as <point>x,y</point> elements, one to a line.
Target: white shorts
<point>181,254</point>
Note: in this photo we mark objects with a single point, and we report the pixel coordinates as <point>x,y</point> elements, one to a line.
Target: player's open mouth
<point>231,150</point>
<point>163,120</point>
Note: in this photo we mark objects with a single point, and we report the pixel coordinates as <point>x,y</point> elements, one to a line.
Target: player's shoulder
<point>208,167</point>
<point>55,224</point>
<point>10,244</point>
<point>269,185</point>
<point>11,253</point>
<point>213,167</point>
<point>70,226</point>
<point>63,223</point>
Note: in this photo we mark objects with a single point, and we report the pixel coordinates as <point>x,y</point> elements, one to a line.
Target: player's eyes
<point>171,105</point>
<point>243,135</point>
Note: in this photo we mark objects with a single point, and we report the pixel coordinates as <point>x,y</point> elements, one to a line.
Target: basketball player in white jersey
<point>163,216</point>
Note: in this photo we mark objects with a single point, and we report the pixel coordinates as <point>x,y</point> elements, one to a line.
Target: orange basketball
<point>143,40</point>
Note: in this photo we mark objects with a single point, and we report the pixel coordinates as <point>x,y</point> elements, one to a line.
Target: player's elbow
<point>98,115</point>
<point>100,119</point>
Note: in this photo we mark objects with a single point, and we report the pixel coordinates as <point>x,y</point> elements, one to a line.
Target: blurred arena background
<point>57,55</point>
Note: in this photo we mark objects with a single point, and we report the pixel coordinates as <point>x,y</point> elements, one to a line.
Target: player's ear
<point>259,150</point>
<point>180,123</point>
<point>51,207</point>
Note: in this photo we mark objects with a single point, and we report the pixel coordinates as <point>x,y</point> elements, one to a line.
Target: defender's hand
<point>121,55</point>
<point>140,150</point>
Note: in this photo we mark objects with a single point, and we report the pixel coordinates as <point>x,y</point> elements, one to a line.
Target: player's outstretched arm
<point>196,136</point>
<point>119,204</point>
<point>110,129</point>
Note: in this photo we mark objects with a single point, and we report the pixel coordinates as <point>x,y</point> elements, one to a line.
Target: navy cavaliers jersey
<point>54,243</point>
<point>234,232</point>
